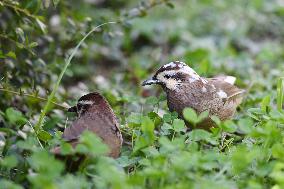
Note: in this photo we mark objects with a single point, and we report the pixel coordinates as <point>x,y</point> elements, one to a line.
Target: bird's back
<point>217,96</point>
<point>101,120</point>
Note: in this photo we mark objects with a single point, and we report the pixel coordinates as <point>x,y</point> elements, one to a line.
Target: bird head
<point>172,75</point>
<point>88,101</point>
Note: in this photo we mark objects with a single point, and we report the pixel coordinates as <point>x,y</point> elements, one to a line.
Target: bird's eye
<point>167,76</point>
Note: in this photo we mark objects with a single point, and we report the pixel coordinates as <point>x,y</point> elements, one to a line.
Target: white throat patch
<point>170,83</point>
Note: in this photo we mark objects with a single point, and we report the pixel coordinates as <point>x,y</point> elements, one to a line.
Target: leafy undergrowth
<point>243,38</point>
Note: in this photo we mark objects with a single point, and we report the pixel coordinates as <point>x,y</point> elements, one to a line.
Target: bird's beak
<point>150,82</point>
<point>72,109</point>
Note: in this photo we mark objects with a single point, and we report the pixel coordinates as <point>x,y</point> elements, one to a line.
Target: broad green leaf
<point>201,135</point>
<point>9,162</point>
<point>15,117</point>
<point>152,100</point>
<point>245,125</point>
<point>203,116</point>
<point>147,126</point>
<point>91,144</point>
<point>190,115</point>
<point>265,103</point>
<point>11,54</point>
<point>229,126</point>
<point>8,183</point>
<point>44,136</point>
<point>178,125</point>
<point>147,138</point>
<point>167,118</point>
<point>134,119</point>
<point>155,118</point>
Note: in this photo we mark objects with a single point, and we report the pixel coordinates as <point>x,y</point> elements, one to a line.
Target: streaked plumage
<point>185,88</point>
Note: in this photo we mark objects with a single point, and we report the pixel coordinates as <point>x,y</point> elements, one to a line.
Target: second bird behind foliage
<point>185,88</point>
<point>95,115</point>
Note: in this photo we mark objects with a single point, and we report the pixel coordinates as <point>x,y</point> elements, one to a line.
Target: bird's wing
<point>102,125</point>
<point>231,92</point>
<point>225,78</point>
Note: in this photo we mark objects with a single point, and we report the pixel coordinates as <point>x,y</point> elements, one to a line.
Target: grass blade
<point>67,62</point>
<point>280,93</point>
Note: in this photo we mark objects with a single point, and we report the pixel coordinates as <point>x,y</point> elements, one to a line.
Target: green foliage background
<point>239,37</point>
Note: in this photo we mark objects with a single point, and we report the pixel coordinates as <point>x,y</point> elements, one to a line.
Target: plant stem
<point>31,96</point>
<point>280,93</point>
<point>52,94</point>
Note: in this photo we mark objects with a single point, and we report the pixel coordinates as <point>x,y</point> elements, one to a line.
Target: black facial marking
<point>85,102</point>
<point>168,76</point>
<point>72,109</point>
<point>176,65</point>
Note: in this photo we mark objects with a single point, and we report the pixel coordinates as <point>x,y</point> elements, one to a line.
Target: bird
<point>95,115</point>
<point>184,88</point>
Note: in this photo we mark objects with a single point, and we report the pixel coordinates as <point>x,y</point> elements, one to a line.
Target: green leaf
<point>167,118</point>
<point>190,115</point>
<point>20,33</point>
<point>152,100</point>
<point>255,113</point>
<point>278,151</point>
<point>134,119</point>
<point>265,103</point>
<point>178,125</point>
<point>277,115</point>
<point>155,118</point>
<point>171,5</point>
<point>148,137</point>
<point>9,162</point>
<point>8,183</point>
<point>15,117</point>
<point>202,116</point>
<point>33,44</point>
<point>46,167</point>
<point>44,136</point>
<point>73,182</point>
<point>216,120</point>
<point>11,55</point>
<point>229,126</point>
<point>41,25</point>
<point>147,126</point>
<point>245,125</point>
<point>201,135</point>
<point>91,144</point>
<point>66,148</point>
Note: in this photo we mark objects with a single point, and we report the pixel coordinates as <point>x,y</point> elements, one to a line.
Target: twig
<point>4,36</point>
<point>31,96</point>
<point>17,9</point>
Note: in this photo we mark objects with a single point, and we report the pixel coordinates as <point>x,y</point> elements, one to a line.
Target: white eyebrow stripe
<point>85,102</point>
<point>171,64</point>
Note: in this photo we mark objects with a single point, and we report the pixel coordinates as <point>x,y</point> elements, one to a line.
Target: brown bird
<point>96,115</point>
<point>185,88</point>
